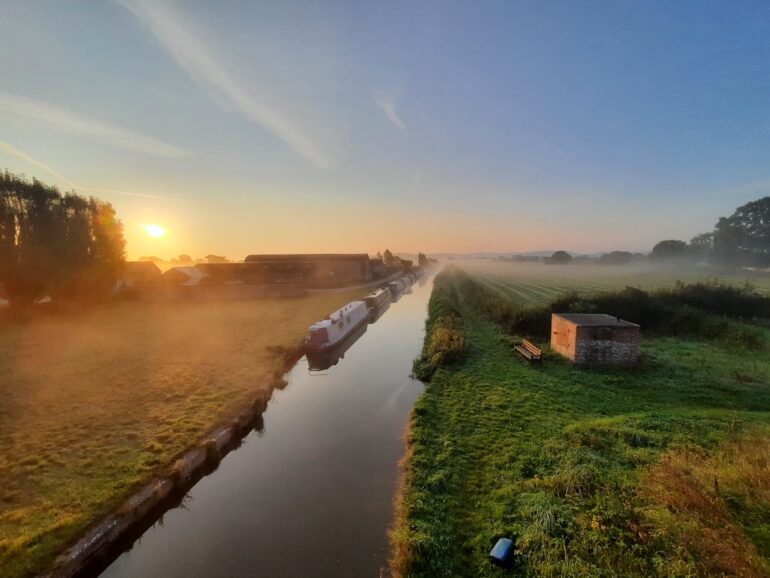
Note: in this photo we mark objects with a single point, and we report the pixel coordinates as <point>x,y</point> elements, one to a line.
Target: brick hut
<point>595,339</point>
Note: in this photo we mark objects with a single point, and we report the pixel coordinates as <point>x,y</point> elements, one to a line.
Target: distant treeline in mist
<point>61,245</point>
<point>740,240</point>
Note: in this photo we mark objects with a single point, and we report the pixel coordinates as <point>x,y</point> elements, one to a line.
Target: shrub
<point>701,311</point>
<point>445,341</point>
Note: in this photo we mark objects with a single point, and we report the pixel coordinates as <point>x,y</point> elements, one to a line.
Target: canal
<point>311,494</point>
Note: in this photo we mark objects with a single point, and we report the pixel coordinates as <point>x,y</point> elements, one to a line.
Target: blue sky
<point>246,127</point>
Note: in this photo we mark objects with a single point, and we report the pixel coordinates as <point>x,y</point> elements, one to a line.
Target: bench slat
<point>529,351</point>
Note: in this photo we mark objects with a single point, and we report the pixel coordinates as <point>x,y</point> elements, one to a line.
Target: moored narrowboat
<point>330,331</point>
<point>377,299</point>
<point>395,288</point>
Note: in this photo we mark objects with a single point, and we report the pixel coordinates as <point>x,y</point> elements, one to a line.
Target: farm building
<point>255,273</point>
<point>595,339</point>
<point>139,274</point>
<point>323,270</point>
<point>185,276</point>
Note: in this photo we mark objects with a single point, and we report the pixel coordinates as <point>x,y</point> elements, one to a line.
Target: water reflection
<point>312,493</point>
<point>379,312</point>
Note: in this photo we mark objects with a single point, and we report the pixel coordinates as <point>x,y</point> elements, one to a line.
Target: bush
<point>445,341</point>
<point>700,311</point>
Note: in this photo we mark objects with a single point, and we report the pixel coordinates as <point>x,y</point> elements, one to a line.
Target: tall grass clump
<point>444,338</point>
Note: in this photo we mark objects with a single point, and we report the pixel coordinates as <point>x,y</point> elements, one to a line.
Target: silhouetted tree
<point>670,250</point>
<point>216,259</point>
<point>387,258</point>
<point>559,258</point>
<point>185,260</point>
<point>616,258</point>
<point>743,238</point>
<point>701,246</point>
<point>422,260</point>
<point>66,246</point>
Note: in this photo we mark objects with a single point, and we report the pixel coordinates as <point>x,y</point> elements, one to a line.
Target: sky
<point>251,127</point>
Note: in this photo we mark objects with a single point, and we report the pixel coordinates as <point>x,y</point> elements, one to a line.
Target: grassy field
<point>661,470</point>
<point>94,404</point>
<point>537,282</point>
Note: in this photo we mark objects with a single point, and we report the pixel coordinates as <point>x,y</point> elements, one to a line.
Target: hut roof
<point>595,320</point>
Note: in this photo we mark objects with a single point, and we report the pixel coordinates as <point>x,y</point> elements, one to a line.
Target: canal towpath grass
<point>93,404</point>
<point>574,464</point>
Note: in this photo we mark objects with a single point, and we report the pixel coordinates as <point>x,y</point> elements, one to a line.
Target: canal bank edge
<point>100,544</point>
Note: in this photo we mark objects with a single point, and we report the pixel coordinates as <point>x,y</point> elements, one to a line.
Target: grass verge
<point>577,466</point>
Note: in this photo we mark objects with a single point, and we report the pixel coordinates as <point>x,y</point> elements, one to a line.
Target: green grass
<point>567,461</point>
<point>93,405</point>
<point>532,283</point>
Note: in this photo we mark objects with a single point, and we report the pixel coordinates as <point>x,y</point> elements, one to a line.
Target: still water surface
<point>312,493</point>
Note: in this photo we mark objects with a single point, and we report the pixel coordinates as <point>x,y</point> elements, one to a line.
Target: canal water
<point>311,494</point>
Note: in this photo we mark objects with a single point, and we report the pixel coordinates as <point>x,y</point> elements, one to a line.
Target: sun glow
<point>154,230</point>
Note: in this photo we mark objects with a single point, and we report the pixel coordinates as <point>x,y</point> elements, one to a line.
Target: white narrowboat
<point>377,299</point>
<point>395,287</point>
<point>330,331</point>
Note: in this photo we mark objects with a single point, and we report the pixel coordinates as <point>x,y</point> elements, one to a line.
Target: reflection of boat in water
<point>319,360</point>
<point>332,330</point>
<point>375,314</point>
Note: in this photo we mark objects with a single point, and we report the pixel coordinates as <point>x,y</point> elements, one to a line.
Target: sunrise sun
<point>154,230</point>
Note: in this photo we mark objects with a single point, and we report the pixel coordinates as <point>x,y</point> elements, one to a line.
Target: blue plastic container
<point>502,553</point>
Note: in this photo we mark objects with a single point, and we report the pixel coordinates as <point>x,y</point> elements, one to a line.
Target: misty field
<point>538,283</point>
<point>94,404</point>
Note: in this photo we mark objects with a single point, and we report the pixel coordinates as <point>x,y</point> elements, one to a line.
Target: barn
<point>595,339</point>
<point>322,270</point>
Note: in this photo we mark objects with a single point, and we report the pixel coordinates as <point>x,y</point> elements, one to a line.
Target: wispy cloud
<point>14,152</point>
<point>71,122</point>
<point>388,105</point>
<point>196,59</point>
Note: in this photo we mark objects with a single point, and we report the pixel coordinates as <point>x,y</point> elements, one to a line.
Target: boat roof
<point>336,314</point>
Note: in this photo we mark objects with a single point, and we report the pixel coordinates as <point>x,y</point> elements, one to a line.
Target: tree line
<point>62,245</point>
<point>740,240</point>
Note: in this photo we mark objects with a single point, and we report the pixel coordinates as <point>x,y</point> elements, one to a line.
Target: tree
<point>701,246</point>
<point>559,258</point>
<point>616,258</point>
<point>387,258</point>
<point>185,260</point>
<point>422,260</point>
<point>216,259</point>
<point>669,250</point>
<point>65,246</point>
<point>743,238</point>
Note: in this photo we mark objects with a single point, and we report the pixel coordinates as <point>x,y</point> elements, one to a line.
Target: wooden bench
<point>529,351</point>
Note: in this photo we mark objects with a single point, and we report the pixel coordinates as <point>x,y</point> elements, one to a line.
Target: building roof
<point>141,268</point>
<point>595,320</point>
<point>193,274</point>
<point>308,257</point>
